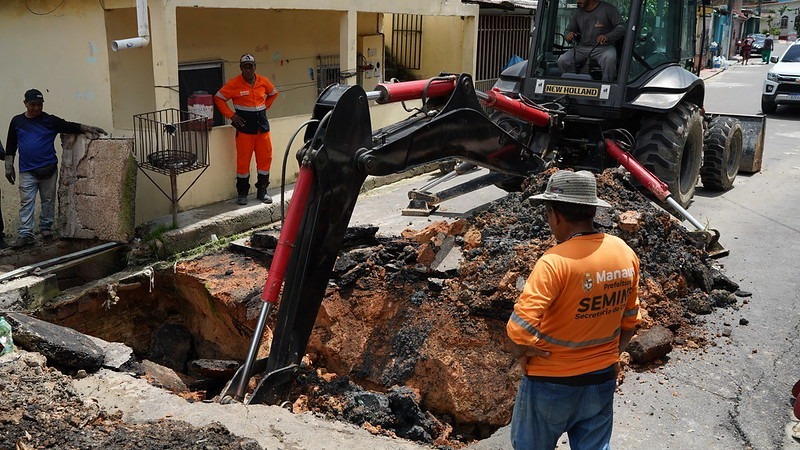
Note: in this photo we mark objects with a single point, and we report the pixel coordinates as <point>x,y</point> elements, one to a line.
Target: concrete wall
<point>449,44</point>
<point>64,50</point>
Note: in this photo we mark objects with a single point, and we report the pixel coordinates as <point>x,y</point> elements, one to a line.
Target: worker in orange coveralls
<point>576,314</point>
<point>252,95</point>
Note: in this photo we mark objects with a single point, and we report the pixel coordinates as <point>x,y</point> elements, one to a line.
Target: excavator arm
<point>340,151</point>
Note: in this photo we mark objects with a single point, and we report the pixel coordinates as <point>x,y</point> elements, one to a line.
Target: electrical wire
<point>623,137</point>
<point>43,14</point>
<point>302,86</point>
<point>173,88</point>
<point>285,158</point>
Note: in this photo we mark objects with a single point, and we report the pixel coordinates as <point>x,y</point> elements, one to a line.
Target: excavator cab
<point>658,37</point>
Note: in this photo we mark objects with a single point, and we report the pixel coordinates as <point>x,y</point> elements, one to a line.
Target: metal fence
<point>500,38</point>
<point>407,40</point>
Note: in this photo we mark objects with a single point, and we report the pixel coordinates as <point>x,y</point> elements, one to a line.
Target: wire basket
<point>171,141</point>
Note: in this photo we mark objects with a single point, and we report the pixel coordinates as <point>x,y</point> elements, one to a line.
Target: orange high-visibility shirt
<point>250,102</point>
<point>579,296</point>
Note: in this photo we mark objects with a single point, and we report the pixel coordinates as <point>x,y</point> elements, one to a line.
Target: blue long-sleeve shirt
<point>35,138</point>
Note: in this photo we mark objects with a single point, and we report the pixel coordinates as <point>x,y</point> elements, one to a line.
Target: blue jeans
<point>544,411</point>
<point>29,185</point>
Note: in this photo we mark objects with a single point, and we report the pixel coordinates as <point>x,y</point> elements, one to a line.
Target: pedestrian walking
<point>746,49</point>
<point>577,312</point>
<point>766,50</point>
<point>252,95</point>
<point>32,134</point>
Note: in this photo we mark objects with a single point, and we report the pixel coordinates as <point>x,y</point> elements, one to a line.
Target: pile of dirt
<point>396,317</point>
<point>39,409</point>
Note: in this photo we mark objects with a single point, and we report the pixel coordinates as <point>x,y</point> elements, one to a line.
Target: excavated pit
<point>404,344</point>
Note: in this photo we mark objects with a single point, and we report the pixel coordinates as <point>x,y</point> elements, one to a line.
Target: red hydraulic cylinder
<point>517,108</point>
<point>297,205</point>
<point>642,175</point>
<point>413,90</point>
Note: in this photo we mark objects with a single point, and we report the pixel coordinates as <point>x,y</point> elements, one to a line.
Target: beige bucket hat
<point>571,187</point>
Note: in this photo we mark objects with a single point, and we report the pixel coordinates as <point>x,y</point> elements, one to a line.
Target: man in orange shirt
<point>576,314</point>
<point>252,95</point>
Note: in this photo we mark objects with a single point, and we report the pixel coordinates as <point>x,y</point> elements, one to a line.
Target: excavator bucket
<point>423,203</point>
<point>710,240</point>
<point>753,130</point>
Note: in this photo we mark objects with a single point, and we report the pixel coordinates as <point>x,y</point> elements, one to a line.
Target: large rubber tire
<point>723,144</point>
<point>768,106</point>
<point>671,146</point>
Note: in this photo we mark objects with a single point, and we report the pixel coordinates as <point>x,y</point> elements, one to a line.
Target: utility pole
<point>758,13</point>
<point>730,42</point>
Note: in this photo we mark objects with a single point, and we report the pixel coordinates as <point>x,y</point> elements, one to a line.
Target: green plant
<point>396,70</point>
<point>152,238</point>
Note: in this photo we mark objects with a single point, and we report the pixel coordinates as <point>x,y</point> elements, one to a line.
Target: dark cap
<point>34,95</point>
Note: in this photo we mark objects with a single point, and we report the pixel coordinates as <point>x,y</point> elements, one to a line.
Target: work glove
<point>92,130</point>
<point>11,174</point>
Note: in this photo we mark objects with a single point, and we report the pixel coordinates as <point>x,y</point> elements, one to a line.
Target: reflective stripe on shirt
<point>571,344</point>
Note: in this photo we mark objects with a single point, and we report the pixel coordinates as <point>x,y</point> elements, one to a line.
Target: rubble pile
<point>39,408</point>
<point>398,314</point>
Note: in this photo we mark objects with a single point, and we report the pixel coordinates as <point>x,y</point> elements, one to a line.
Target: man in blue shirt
<point>33,133</point>
<point>2,222</point>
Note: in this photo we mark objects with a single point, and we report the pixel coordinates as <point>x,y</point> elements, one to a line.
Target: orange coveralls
<point>251,104</point>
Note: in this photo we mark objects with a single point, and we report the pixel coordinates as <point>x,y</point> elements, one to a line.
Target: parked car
<point>782,86</point>
<point>758,44</point>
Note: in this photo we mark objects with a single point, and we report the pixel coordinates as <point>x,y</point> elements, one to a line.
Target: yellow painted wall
<point>130,71</point>
<point>69,65</point>
<point>442,39</point>
<point>443,44</point>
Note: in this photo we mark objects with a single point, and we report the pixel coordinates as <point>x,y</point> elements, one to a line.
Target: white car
<point>782,86</point>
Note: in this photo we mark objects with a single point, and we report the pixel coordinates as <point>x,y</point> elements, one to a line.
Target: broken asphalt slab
<point>271,426</point>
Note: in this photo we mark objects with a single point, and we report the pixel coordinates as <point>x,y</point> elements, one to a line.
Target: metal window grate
<point>328,71</point>
<point>407,40</point>
<point>500,38</point>
<point>171,141</point>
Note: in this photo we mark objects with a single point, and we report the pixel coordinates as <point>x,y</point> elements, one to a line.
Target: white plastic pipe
<point>143,27</point>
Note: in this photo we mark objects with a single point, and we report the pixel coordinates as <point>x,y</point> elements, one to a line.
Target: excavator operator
<point>596,26</point>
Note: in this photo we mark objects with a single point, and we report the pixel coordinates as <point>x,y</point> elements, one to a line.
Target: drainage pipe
<point>25,270</point>
<point>144,30</point>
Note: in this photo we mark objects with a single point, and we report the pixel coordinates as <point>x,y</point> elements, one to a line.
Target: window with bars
<point>328,71</point>
<point>407,40</point>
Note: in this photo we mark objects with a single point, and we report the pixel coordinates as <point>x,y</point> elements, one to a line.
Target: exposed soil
<point>39,409</point>
<point>402,345</point>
